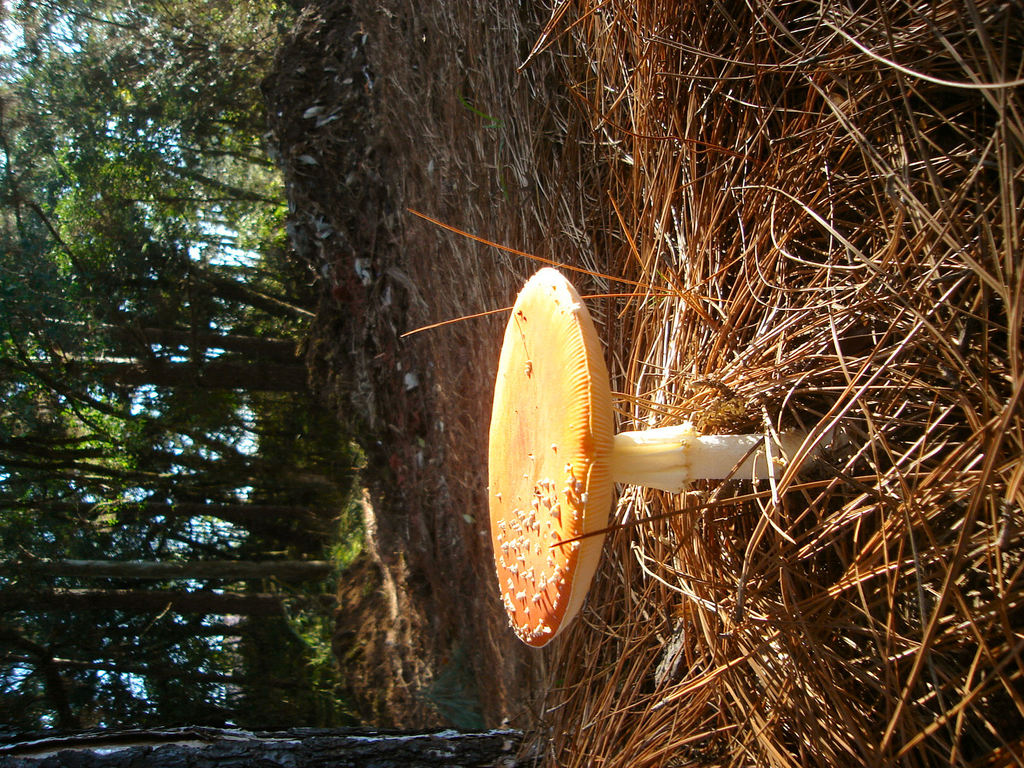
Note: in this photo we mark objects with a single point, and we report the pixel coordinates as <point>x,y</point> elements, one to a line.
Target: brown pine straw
<point>840,185</point>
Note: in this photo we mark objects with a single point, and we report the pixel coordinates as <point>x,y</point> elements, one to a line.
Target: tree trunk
<point>224,570</point>
<point>249,347</point>
<point>140,601</point>
<point>240,514</point>
<point>145,670</point>
<point>229,748</point>
<point>286,522</point>
<point>211,374</point>
<point>158,672</point>
<point>233,290</point>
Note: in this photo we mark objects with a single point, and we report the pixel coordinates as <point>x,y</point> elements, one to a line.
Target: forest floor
<point>375,108</point>
<point>791,265</point>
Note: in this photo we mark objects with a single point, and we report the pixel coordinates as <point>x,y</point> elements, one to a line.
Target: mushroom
<point>554,457</point>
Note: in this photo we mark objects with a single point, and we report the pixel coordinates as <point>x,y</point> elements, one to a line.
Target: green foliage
<point>142,234</point>
<point>349,544</point>
<point>315,629</point>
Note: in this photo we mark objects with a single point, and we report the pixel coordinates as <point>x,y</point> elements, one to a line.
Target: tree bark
<point>231,748</point>
<point>157,672</point>
<point>211,374</point>
<point>141,601</point>
<point>249,347</point>
<point>225,570</point>
<point>282,521</point>
<point>227,288</point>
<point>239,514</point>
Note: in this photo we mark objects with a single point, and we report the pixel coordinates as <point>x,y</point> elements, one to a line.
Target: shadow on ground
<point>376,108</point>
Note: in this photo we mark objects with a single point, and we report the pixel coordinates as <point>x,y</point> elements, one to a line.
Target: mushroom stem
<point>668,458</point>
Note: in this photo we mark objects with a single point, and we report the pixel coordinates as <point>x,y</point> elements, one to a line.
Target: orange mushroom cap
<point>551,439</point>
